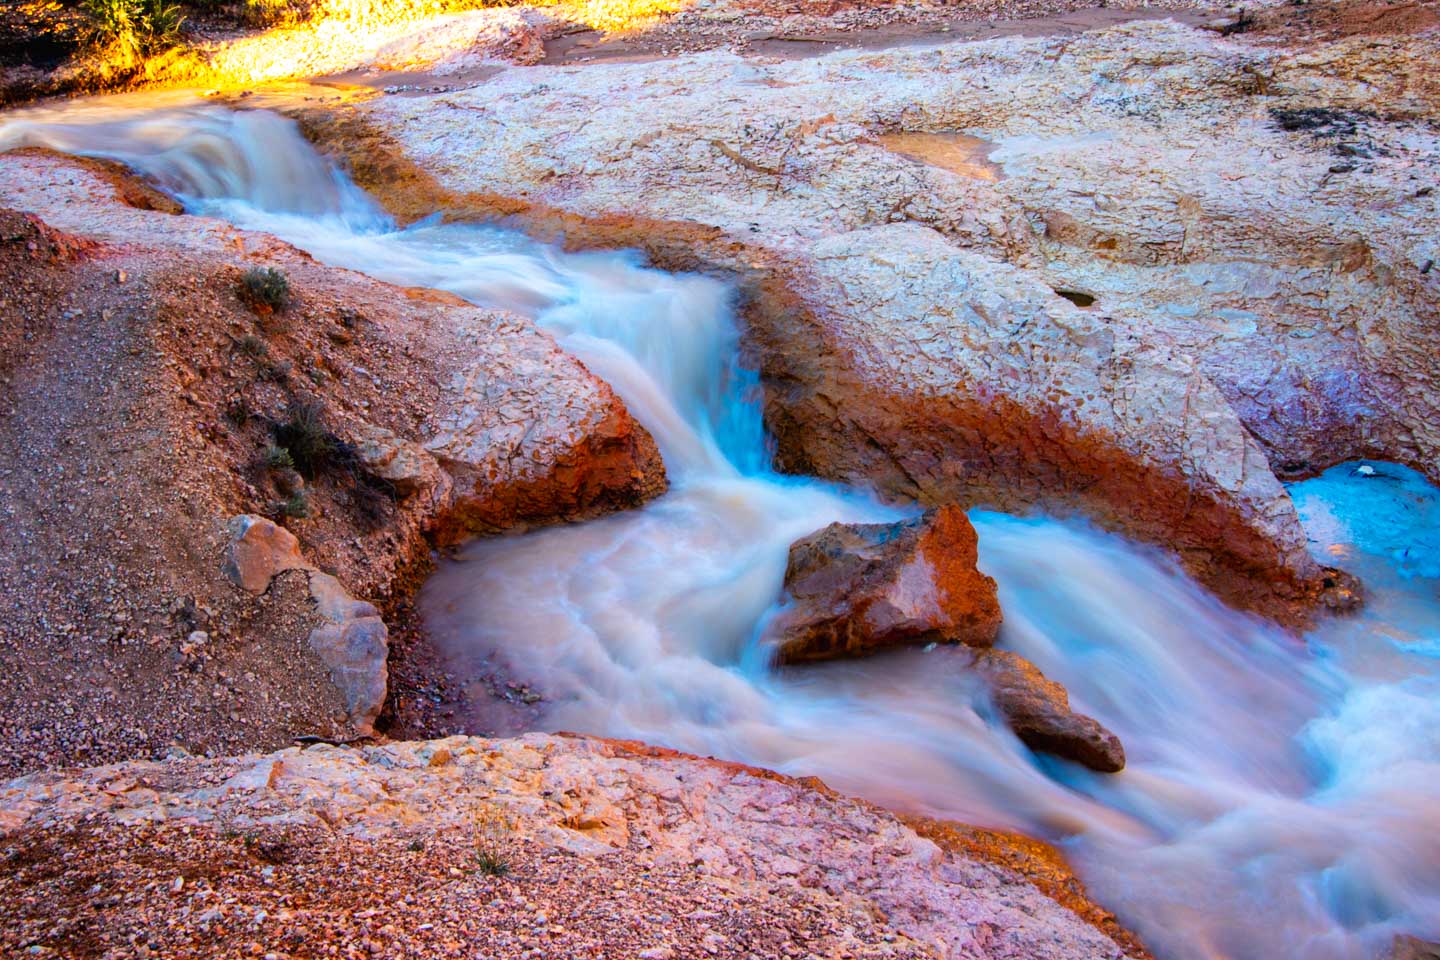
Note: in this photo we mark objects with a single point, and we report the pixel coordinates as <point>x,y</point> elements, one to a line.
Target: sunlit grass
<point>118,44</point>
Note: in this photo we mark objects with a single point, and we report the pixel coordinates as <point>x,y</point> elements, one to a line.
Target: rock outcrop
<point>1251,314</point>
<point>143,396</point>
<point>545,441</point>
<point>608,848</point>
<point>1413,948</point>
<point>259,551</point>
<point>855,589</point>
<point>1038,710</point>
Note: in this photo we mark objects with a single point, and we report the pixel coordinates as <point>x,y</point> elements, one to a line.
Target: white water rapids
<point>1282,798</point>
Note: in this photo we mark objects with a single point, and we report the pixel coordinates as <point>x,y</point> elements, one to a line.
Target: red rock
<point>259,550</point>
<point>1038,710</point>
<point>859,588</point>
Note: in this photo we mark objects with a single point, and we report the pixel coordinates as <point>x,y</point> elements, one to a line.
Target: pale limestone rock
<point>529,434</point>
<point>1255,313</point>
<point>406,465</point>
<point>356,651</point>
<point>353,643</point>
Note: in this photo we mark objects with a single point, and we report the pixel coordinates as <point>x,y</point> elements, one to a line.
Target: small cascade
<point>1282,798</point>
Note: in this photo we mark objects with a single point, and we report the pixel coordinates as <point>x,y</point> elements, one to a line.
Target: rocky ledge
<point>536,846</point>
<point>211,505</point>
<point>1145,273</point>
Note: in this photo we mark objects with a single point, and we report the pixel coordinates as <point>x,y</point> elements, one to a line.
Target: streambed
<point>1282,797</point>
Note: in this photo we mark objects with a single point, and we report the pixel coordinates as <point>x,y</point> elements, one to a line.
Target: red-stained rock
<point>259,550</point>
<point>553,442</point>
<point>859,588</point>
<point>1038,710</point>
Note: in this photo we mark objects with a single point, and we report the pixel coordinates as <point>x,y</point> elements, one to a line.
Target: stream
<point>1282,798</point>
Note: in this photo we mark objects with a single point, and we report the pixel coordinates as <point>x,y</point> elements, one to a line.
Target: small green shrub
<point>159,23</point>
<point>128,29</point>
<point>111,25</point>
<point>278,458</point>
<point>491,827</point>
<point>273,13</point>
<point>267,287</point>
<point>312,446</point>
<point>297,507</point>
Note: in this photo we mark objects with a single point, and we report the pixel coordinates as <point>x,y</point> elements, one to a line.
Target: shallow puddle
<point>957,152</point>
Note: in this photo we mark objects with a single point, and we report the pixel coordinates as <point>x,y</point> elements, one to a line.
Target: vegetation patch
<point>278,458</point>
<point>265,288</point>
<point>296,507</point>
<point>308,442</point>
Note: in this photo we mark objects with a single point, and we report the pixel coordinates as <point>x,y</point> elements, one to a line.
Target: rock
<point>907,373</point>
<point>623,810</point>
<point>354,643</point>
<point>356,652</point>
<point>408,466</point>
<point>1413,948</point>
<point>1250,318</point>
<point>259,550</point>
<point>288,481</point>
<point>1038,710</point>
<point>855,589</point>
<point>355,646</point>
<point>531,436</point>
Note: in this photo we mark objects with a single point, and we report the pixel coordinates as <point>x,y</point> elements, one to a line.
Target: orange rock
<point>858,588</point>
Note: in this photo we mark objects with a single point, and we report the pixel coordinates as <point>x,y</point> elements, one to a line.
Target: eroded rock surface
<point>1038,710</point>
<point>855,589</point>
<point>1258,289</point>
<point>724,836</point>
<point>585,454</point>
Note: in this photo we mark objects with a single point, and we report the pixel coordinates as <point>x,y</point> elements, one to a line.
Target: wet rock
<point>1038,710</point>
<point>259,550</point>
<point>1413,948</point>
<point>859,588</point>
<point>940,375</point>
<point>1342,592</point>
<point>1244,315</point>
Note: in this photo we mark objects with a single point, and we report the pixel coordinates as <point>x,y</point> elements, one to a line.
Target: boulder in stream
<point>859,588</point>
<point>1038,710</point>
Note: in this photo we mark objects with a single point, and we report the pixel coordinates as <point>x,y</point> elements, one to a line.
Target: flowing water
<point>1282,797</point>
